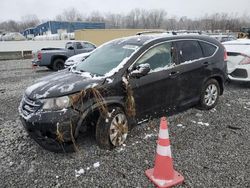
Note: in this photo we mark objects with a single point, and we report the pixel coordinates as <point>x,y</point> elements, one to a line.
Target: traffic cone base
<point>177,179</point>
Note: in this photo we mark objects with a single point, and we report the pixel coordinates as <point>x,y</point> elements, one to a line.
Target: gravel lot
<point>210,148</point>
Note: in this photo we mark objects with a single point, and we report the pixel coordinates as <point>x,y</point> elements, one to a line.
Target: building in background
<point>100,36</point>
<point>59,30</point>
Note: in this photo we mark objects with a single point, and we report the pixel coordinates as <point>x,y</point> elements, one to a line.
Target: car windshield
<point>106,58</point>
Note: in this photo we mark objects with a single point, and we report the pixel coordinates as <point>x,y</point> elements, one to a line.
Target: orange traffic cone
<point>163,174</point>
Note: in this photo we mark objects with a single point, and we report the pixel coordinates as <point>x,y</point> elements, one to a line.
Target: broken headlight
<point>56,103</point>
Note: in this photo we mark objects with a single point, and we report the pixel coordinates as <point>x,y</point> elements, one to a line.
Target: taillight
<point>245,61</point>
<point>225,55</point>
<point>39,55</point>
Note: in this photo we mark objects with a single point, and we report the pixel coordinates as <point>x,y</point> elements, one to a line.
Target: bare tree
<point>114,20</point>
<point>70,15</point>
<point>156,18</point>
<point>95,16</point>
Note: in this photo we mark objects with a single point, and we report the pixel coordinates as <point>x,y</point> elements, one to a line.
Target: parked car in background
<point>73,60</point>
<point>238,59</point>
<point>54,58</point>
<point>121,82</point>
<point>223,37</point>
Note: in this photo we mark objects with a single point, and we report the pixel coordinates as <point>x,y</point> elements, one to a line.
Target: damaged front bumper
<point>57,125</point>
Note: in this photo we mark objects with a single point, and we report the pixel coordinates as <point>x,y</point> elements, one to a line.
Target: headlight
<point>56,103</point>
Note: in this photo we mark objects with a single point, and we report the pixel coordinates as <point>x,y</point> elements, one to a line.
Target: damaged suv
<point>122,82</point>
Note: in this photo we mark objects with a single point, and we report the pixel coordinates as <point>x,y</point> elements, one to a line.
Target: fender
<point>114,100</point>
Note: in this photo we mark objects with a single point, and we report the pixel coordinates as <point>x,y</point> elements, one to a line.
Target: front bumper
<point>50,124</point>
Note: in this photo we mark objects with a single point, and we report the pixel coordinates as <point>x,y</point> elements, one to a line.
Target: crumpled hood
<point>60,84</point>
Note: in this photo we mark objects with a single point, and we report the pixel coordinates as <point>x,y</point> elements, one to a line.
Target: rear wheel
<point>112,131</point>
<point>58,64</point>
<point>209,95</point>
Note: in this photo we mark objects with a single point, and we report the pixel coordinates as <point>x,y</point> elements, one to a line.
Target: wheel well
<point>57,57</point>
<point>95,113</point>
<point>220,81</point>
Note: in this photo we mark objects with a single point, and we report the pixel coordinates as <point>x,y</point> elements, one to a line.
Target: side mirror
<point>140,70</point>
<point>70,48</point>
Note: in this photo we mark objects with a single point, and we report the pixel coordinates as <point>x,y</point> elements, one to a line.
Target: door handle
<point>205,64</point>
<point>174,74</point>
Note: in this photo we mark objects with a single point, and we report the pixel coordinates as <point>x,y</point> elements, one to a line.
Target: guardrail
<point>12,55</point>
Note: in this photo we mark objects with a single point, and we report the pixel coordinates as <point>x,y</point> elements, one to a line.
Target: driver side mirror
<point>140,70</point>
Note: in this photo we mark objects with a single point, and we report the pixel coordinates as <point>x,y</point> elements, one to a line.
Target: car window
<point>68,45</point>
<point>79,45</point>
<point>189,50</point>
<point>159,57</point>
<point>88,45</point>
<point>208,49</point>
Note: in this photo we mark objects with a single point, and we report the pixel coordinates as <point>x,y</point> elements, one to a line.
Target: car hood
<point>60,84</point>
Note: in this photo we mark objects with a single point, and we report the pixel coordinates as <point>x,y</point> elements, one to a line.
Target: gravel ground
<point>210,148</point>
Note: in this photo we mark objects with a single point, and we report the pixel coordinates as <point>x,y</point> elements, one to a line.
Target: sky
<point>48,9</point>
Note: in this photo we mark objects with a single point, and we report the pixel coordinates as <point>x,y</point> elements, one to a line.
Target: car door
<point>155,92</point>
<point>192,67</point>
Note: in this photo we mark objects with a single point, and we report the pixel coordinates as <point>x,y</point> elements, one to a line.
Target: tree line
<point>140,19</point>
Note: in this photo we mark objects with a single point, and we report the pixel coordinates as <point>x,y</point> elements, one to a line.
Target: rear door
<point>193,67</point>
<point>156,92</point>
<point>79,48</point>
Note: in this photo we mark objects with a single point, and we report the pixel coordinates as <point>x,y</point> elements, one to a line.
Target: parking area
<point>210,148</point>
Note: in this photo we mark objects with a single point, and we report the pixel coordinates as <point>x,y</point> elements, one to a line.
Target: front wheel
<point>112,131</point>
<point>209,95</point>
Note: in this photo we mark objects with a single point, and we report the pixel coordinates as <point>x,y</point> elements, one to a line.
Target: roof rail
<point>151,32</point>
<point>170,32</point>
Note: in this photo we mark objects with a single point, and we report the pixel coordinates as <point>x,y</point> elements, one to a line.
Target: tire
<point>51,144</point>
<point>58,64</point>
<point>112,131</point>
<point>209,95</point>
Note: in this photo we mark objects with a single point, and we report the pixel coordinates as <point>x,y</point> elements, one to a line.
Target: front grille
<point>239,73</point>
<point>29,106</point>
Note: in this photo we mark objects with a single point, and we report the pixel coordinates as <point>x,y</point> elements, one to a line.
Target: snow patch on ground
<point>201,123</point>
<point>148,136</point>
<point>96,165</point>
<point>79,172</point>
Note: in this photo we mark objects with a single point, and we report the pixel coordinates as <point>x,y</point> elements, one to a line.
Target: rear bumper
<point>241,73</point>
<point>36,62</point>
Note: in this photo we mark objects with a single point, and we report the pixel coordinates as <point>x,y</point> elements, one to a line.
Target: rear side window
<point>79,45</point>
<point>88,45</point>
<point>189,50</point>
<point>208,49</point>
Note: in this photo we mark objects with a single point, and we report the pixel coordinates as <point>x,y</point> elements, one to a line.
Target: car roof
<point>145,39</point>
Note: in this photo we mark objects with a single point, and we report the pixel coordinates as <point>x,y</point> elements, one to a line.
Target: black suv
<point>120,83</point>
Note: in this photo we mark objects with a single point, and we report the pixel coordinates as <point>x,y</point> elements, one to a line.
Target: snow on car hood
<point>60,84</point>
